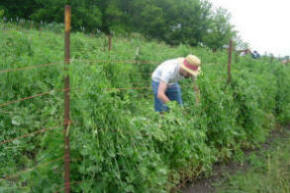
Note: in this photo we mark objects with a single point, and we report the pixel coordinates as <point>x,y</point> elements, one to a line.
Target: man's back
<point>168,71</point>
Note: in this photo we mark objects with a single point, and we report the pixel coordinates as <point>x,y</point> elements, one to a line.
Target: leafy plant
<point>118,142</point>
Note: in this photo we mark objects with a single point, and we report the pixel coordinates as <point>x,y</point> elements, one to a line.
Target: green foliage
<point>118,142</point>
<point>266,171</point>
<point>1,13</point>
<point>220,30</point>
<point>192,22</point>
<point>18,8</point>
<point>282,96</point>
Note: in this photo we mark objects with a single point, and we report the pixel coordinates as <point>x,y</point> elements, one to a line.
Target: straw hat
<point>191,64</point>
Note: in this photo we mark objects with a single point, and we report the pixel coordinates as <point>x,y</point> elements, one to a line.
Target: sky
<point>264,24</point>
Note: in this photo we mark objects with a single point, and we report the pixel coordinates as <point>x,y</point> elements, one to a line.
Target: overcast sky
<point>264,24</point>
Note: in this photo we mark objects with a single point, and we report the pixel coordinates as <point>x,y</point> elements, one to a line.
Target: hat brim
<point>192,72</point>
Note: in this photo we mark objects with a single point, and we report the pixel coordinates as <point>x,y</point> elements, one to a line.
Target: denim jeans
<point>173,92</point>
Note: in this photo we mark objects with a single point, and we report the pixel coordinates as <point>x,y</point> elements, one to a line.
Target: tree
<point>85,13</point>
<point>1,13</point>
<point>220,30</point>
<point>148,18</point>
<point>240,44</point>
<point>173,21</point>
<point>114,16</point>
<point>18,8</point>
<point>190,22</point>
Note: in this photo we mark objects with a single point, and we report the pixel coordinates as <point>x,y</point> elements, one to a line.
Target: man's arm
<point>161,92</point>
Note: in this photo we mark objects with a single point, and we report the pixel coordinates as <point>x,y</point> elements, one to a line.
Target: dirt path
<point>221,171</point>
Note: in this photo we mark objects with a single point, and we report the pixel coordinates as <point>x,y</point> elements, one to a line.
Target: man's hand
<point>161,92</point>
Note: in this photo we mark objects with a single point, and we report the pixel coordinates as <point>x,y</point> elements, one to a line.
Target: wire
<point>27,135</point>
<point>114,61</point>
<point>62,90</point>
<point>76,182</point>
<point>30,97</point>
<point>30,169</point>
<point>14,188</point>
<point>6,112</point>
<point>29,67</point>
<point>137,88</point>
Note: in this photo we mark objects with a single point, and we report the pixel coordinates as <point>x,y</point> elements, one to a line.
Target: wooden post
<point>197,93</point>
<point>230,61</point>
<point>39,28</point>
<point>110,42</point>
<point>67,101</point>
<point>272,58</point>
<point>237,59</point>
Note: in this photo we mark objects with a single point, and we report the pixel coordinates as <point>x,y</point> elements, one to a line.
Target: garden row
<point>118,142</point>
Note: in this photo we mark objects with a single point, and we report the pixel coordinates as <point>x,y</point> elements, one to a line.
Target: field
<point>118,143</point>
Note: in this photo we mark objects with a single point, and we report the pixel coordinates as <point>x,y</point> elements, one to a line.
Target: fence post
<point>236,54</point>
<point>230,61</point>
<point>31,24</point>
<point>110,42</point>
<point>272,59</point>
<point>67,100</point>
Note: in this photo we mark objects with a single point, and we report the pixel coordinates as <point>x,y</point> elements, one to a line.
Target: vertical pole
<point>236,53</point>
<point>67,100</point>
<point>110,42</point>
<point>272,58</point>
<point>230,61</point>
<point>39,30</point>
